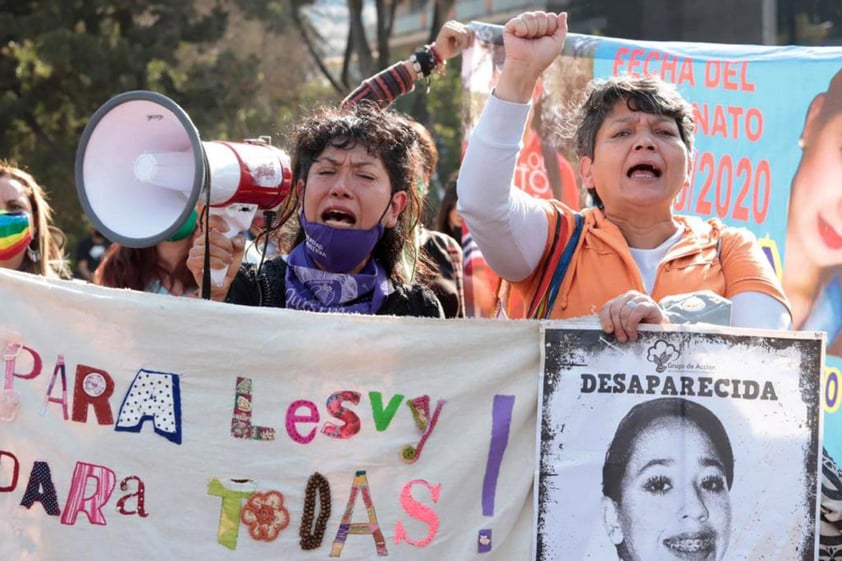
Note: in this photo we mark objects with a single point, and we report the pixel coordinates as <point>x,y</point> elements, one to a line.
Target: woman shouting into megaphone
<point>346,225</point>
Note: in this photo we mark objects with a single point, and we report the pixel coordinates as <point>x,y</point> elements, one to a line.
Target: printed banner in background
<point>152,427</point>
<point>671,447</point>
<point>769,133</point>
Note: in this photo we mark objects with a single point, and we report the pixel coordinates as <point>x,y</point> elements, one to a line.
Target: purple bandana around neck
<point>312,289</point>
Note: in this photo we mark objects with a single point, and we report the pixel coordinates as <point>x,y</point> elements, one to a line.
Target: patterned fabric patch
<point>140,495</point>
<point>372,527</point>
<point>154,396</point>
<point>351,420</point>
<point>10,354</point>
<point>40,488</point>
<point>59,371</point>
<point>265,515</point>
<point>241,426</point>
<point>293,417</point>
<point>420,407</point>
<point>80,498</point>
<point>93,387</point>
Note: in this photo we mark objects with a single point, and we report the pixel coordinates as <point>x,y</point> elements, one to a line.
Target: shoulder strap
<point>552,272</point>
<point>549,291</point>
<point>560,234</point>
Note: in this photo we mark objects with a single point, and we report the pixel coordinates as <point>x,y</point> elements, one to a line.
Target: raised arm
<point>399,79</point>
<point>509,226</point>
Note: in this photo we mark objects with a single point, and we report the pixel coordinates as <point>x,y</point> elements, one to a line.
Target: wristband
<point>436,55</point>
<point>423,61</point>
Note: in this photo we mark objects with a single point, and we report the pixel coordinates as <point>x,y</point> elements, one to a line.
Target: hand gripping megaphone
<point>141,167</point>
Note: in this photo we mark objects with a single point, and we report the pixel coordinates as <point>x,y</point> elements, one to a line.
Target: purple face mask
<point>338,250</point>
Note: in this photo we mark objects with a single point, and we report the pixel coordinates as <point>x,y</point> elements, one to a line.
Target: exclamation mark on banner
<point>501,420</point>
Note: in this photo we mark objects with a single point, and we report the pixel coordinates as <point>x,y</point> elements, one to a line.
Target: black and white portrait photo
<point>666,482</point>
<point>681,446</point>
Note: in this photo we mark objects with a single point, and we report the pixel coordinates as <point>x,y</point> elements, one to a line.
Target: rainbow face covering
<point>15,233</point>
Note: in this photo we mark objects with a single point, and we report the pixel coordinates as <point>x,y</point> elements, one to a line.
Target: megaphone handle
<point>237,217</point>
<point>218,275</point>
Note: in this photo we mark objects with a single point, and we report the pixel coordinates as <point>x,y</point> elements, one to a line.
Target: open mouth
<point>338,218</point>
<point>831,237</point>
<point>691,546</point>
<point>644,171</point>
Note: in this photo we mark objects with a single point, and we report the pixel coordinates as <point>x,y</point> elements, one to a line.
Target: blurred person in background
<point>160,269</point>
<point>89,253</point>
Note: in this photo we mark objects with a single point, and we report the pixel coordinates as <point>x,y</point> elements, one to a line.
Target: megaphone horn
<point>141,167</point>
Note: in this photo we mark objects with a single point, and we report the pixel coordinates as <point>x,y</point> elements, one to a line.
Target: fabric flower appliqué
<point>265,515</point>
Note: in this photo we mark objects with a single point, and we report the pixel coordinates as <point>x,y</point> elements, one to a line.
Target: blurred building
<point>763,22</point>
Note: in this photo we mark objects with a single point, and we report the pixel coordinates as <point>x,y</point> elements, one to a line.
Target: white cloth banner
<point>198,430</point>
<point>152,387</point>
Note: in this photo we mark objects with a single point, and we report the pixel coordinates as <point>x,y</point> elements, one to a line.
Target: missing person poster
<point>681,445</point>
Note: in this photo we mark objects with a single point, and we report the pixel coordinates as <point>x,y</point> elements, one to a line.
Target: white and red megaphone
<point>141,167</point>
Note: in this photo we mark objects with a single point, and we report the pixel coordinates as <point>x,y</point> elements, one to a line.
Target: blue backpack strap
<point>560,233</point>
<point>563,264</point>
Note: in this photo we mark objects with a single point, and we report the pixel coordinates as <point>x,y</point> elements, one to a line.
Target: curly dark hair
<point>384,134</point>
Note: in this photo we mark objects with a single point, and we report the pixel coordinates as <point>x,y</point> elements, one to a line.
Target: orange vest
<point>709,256</point>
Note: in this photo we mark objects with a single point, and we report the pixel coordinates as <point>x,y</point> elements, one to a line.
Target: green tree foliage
<point>61,59</point>
<point>239,68</point>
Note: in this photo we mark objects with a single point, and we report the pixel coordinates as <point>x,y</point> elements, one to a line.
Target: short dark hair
<point>640,417</point>
<point>647,94</point>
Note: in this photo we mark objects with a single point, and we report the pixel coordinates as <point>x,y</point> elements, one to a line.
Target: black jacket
<point>268,289</point>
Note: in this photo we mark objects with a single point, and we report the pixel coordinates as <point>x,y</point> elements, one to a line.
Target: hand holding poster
<point>669,448</point>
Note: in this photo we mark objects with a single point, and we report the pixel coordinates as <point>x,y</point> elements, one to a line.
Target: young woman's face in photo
<point>816,205</point>
<point>351,189</point>
<point>675,498</point>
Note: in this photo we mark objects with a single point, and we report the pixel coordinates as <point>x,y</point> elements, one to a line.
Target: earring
<point>615,534</point>
<point>801,143</point>
<point>33,254</point>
